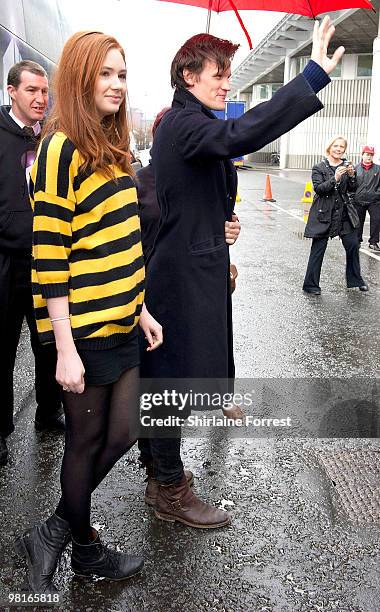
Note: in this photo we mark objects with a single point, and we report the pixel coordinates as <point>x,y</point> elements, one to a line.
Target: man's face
<point>30,98</point>
<point>209,87</point>
<point>367,158</point>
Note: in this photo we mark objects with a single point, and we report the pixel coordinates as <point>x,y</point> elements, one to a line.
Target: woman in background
<point>333,214</point>
<point>88,284</point>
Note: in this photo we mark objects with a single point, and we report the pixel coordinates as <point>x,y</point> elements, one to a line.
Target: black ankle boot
<point>41,547</point>
<point>96,559</point>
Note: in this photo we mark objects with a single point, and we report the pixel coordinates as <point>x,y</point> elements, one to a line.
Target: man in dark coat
<point>367,197</point>
<point>187,286</point>
<point>149,212</point>
<point>19,133</point>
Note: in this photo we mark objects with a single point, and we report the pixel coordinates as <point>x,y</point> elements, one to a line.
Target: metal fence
<point>345,112</point>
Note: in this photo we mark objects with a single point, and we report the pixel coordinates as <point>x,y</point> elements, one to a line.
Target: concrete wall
<point>345,112</point>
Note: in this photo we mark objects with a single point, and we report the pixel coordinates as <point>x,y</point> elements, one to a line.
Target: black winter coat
<point>149,210</point>
<point>368,185</point>
<point>187,282</point>
<point>17,151</point>
<point>331,213</point>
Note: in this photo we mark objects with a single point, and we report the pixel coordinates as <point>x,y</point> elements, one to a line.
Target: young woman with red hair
<point>88,285</point>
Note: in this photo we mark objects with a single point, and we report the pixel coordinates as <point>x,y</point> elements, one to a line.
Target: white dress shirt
<point>36,127</point>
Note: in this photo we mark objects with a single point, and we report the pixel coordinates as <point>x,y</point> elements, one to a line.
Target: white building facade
<point>351,102</point>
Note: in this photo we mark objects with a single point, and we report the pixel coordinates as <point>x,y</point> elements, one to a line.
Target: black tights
<point>101,426</point>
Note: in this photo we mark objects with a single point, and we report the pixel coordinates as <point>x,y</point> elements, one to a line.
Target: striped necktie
<point>29,131</point>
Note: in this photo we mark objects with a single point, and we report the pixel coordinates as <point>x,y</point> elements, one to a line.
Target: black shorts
<point>105,366</point>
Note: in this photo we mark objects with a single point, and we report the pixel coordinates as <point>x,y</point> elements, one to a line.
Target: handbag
<point>233,277</point>
<point>352,212</point>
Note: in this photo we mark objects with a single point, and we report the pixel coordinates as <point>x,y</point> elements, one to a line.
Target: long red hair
<point>101,143</point>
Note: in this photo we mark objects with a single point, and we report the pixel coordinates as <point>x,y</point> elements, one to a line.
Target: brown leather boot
<point>177,502</point>
<point>153,484</point>
<point>234,412</point>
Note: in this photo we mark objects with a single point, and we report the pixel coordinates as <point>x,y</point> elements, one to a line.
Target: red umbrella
<point>309,8</point>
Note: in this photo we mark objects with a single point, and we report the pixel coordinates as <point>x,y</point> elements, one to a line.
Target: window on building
<point>275,87</point>
<point>263,92</point>
<point>364,66</point>
<point>301,63</point>
<point>337,72</point>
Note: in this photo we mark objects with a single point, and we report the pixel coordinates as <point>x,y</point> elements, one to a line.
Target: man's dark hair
<point>196,51</point>
<point>14,74</point>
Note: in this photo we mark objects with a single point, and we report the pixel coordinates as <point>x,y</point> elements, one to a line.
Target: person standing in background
<point>20,129</point>
<point>333,214</point>
<point>367,197</point>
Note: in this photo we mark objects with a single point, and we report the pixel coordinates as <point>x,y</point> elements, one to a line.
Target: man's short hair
<point>196,51</point>
<point>14,74</point>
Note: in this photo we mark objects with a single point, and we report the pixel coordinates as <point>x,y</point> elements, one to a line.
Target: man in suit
<point>20,128</point>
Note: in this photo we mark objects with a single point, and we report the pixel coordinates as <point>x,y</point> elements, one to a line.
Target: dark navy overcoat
<point>187,284</point>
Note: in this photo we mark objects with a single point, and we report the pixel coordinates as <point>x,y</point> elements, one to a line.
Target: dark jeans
<point>374,221</point>
<point>318,248</point>
<point>165,456</point>
<point>15,304</point>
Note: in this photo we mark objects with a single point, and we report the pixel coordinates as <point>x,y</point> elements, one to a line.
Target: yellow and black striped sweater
<point>86,245</point>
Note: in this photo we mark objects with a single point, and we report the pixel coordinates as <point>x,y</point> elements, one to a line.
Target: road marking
<point>377,257</point>
<point>291,214</point>
<point>288,212</point>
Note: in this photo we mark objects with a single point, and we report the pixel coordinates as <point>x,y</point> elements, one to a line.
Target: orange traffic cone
<point>268,197</point>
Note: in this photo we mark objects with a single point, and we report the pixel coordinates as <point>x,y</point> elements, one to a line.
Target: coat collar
<point>329,167</point>
<point>327,163</point>
<point>183,97</point>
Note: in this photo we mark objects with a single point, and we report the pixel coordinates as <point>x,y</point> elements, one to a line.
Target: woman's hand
<point>151,328</point>
<point>321,38</point>
<point>70,371</point>
<point>339,173</point>
<point>232,230</point>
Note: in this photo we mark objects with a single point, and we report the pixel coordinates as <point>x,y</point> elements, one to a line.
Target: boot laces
<point>111,556</point>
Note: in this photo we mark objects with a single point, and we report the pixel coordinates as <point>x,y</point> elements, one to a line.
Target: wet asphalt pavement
<point>305,529</point>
